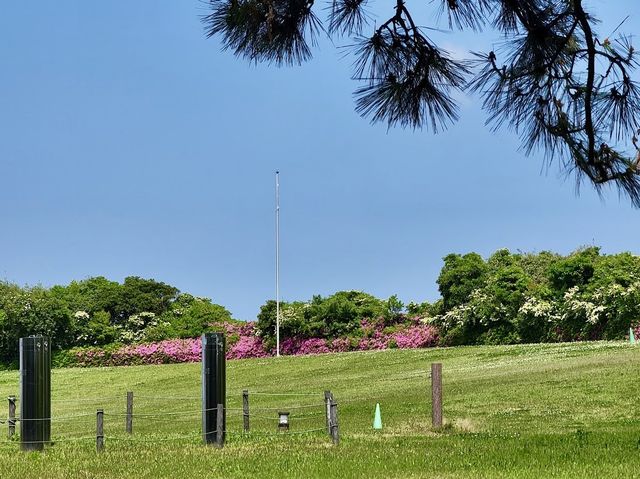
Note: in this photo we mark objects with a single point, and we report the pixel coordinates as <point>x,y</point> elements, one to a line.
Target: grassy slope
<point>568,410</point>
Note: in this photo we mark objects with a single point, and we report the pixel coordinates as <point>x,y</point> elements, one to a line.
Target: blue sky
<point>131,145</point>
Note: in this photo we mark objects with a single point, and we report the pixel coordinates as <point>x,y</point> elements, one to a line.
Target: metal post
<point>45,389</point>
<point>277,263</point>
<point>213,386</point>
<point>35,392</point>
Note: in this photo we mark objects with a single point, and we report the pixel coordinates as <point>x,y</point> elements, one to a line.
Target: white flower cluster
<point>575,306</point>
<point>134,328</point>
<point>539,308</point>
<point>456,316</point>
<point>293,312</point>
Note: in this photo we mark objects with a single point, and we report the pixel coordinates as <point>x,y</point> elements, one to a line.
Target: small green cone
<point>377,419</point>
<point>632,338</point>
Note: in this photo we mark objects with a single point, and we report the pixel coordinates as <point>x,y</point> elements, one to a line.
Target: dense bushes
<point>97,312</point>
<point>521,298</point>
<point>243,342</point>
<point>339,315</point>
<point>31,311</point>
<point>507,298</point>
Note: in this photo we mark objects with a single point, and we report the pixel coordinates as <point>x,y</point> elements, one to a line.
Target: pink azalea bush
<point>243,342</point>
<point>416,337</point>
<point>247,347</point>
<point>295,346</point>
<point>162,352</point>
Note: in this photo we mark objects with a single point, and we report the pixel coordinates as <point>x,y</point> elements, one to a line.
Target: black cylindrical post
<point>45,372</point>
<point>213,385</point>
<point>35,392</point>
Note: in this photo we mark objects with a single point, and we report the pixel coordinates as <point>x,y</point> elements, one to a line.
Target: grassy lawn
<point>563,410</point>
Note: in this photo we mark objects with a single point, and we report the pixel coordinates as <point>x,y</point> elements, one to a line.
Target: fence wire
<point>156,419</point>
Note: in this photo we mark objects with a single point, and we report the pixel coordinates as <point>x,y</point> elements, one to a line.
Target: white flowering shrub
<point>133,329</point>
<point>537,320</point>
<point>545,297</point>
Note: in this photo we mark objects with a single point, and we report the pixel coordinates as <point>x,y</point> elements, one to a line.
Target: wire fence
<point>179,417</point>
<point>167,418</point>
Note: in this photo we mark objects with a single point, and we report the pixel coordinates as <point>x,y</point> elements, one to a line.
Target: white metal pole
<point>277,264</point>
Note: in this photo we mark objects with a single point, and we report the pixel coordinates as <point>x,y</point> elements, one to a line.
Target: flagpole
<point>277,264</point>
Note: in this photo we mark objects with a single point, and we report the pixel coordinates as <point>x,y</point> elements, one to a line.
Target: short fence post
<point>436,395</point>
<point>129,418</point>
<point>335,430</point>
<point>220,428</point>
<point>327,402</point>
<point>12,416</point>
<point>100,430</point>
<point>245,409</point>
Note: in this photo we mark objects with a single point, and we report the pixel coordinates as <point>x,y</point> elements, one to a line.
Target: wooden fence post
<point>436,395</point>
<point>327,402</point>
<point>220,426</point>
<point>12,416</point>
<point>245,409</point>
<point>129,418</point>
<point>335,429</point>
<point>100,430</point>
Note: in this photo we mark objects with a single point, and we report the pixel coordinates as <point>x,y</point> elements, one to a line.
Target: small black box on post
<point>214,385</point>
<point>35,392</point>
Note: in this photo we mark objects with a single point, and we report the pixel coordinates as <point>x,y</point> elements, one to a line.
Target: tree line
<point>97,311</point>
<point>506,298</point>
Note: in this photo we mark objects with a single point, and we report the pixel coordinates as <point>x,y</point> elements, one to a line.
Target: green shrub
<point>95,329</point>
<point>459,277</point>
<point>28,311</point>
<point>338,315</point>
<point>188,317</point>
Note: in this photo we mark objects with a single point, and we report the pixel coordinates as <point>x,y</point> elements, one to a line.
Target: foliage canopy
<point>560,86</point>
<point>506,298</point>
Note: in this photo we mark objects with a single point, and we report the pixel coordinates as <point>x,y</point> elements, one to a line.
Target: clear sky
<point>131,145</point>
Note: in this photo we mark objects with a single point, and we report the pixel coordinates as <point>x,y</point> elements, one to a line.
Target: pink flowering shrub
<point>247,347</point>
<point>243,342</point>
<point>416,337</point>
<point>162,352</point>
<point>295,346</point>
<point>341,345</point>
<point>377,341</point>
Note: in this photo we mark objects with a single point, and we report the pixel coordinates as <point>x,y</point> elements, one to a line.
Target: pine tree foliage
<point>565,90</point>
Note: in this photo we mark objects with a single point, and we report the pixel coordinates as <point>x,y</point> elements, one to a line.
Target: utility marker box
<point>214,386</point>
<point>35,392</point>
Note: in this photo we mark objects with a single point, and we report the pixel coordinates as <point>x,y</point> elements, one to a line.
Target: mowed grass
<point>562,410</point>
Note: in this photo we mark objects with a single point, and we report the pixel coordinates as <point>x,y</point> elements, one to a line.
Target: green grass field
<point>562,410</point>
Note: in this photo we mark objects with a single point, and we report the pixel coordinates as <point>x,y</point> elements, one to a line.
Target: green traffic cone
<point>377,419</point>
<point>632,338</point>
